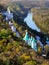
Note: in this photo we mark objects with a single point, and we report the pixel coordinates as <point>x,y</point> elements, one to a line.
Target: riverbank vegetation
<point>13,50</point>
<point>41,18</point>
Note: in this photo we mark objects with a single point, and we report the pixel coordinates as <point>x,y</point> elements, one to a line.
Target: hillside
<point>29,3</point>
<point>13,50</point>
<point>41,18</point>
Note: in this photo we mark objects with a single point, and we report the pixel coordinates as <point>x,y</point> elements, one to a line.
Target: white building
<point>8,14</point>
<point>13,28</point>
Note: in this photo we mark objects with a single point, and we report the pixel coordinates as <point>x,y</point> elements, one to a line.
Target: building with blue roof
<point>8,14</point>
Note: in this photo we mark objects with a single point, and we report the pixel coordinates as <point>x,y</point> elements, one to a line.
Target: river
<point>29,21</point>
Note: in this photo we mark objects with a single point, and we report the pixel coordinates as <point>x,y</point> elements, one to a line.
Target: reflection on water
<point>29,21</point>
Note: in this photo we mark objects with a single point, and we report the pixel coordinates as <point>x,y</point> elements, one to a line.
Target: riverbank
<point>41,18</point>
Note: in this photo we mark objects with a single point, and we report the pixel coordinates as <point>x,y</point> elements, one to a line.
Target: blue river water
<point>29,21</point>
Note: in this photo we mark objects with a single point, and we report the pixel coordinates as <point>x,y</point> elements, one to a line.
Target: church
<point>8,14</point>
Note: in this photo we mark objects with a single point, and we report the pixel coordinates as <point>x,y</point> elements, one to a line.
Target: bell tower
<point>8,10</point>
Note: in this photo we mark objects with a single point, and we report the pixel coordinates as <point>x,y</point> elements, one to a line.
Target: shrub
<point>30,63</point>
<point>40,50</point>
<point>45,63</point>
<point>33,54</point>
<point>20,60</point>
<point>7,62</point>
<point>46,47</point>
<point>9,47</point>
<point>17,49</point>
<point>1,62</point>
<point>25,57</point>
<point>3,41</point>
